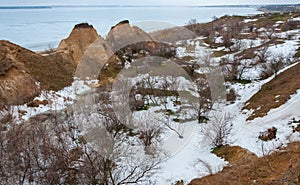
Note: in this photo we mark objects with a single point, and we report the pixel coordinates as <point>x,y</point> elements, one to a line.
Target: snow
<point>183,162</point>
<point>181,52</point>
<point>56,100</point>
<point>286,50</point>
<point>261,29</point>
<point>291,34</point>
<point>245,134</point>
<point>219,40</point>
<point>295,19</point>
<point>243,44</point>
<point>190,157</point>
<point>250,20</point>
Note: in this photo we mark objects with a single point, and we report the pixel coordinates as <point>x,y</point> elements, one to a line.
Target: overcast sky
<point>142,2</point>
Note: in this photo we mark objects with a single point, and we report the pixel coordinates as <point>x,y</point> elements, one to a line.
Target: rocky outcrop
<point>83,54</point>
<point>130,40</point>
<point>123,34</point>
<point>80,39</point>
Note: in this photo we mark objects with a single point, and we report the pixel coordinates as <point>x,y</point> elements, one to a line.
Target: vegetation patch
<point>220,53</point>
<point>297,54</point>
<point>285,85</point>
<point>243,81</point>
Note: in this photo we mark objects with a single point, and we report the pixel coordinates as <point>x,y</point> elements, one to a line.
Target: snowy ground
<point>190,157</point>
<point>184,163</point>
<point>56,100</point>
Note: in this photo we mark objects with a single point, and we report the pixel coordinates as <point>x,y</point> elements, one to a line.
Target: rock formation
<point>123,34</point>
<point>80,39</point>
<point>84,54</point>
<point>127,39</point>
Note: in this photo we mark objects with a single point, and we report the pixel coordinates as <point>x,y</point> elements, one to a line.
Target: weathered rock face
<point>122,35</point>
<point>129,40</point>
<point>81,38</point>
<point>16,85</point>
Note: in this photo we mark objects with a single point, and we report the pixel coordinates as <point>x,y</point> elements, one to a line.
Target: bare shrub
<point>268,134</point>
<point>203,103</point>
<point>218,130</point>
<point>231,95</point>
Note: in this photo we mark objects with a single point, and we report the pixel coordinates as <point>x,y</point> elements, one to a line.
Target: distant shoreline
<point>144,6</point>
<point>135,6</point>
<point>26,7</point>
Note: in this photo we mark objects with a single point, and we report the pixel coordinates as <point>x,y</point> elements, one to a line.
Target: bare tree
<point>262,54</point>
<point>232,68</point>
<point>150,83</point>
<point>149,132</point>
<point>165,86</point>
<point>269,32</point>
<point>203,103</point>
<point>276,64</point>
<point>54,149</point>
<point>218,129</point>
<point>232,29</point>
<point>174,87</point>
<point>167,122</point>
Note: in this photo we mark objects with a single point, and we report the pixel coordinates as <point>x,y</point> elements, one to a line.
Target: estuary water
<point>38,28</point>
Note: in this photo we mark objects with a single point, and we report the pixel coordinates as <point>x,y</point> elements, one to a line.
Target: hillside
<point>25,73</point>
<point>215,102</point>
<point>280,167</point>
<point>276,92</point>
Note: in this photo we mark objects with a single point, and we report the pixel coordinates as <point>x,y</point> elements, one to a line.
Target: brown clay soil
<point>279,168</point>
<point>276,92</point>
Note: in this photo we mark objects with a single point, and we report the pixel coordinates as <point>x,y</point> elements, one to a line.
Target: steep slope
<point>281,167</point>
<point>123,34</point>
<point>22,70</point>
<point>173,35</point>
<point>16,85</point>
<point>80,39</point>
<point>276,92</point>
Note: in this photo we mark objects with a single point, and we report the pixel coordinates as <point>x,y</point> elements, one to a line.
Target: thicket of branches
<point>54,148</point>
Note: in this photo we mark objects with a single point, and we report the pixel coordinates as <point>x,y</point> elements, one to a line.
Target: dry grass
<point>53,72</point>
<point>285,85</point>
<point>281,167</point>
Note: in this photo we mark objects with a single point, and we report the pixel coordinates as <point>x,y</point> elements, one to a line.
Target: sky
<point>142,2</point>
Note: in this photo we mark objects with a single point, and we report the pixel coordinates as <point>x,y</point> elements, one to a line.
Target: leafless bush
<point>53,150</point>
<point>167,122</point>
<point>262,54</point>
<point>233,68</point>
<point>149,132</point>
<point>218,130</point>
<point>203,103</point>
<point>231,95</point>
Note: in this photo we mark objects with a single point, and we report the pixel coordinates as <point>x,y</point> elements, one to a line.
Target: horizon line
<point>129,5</point>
